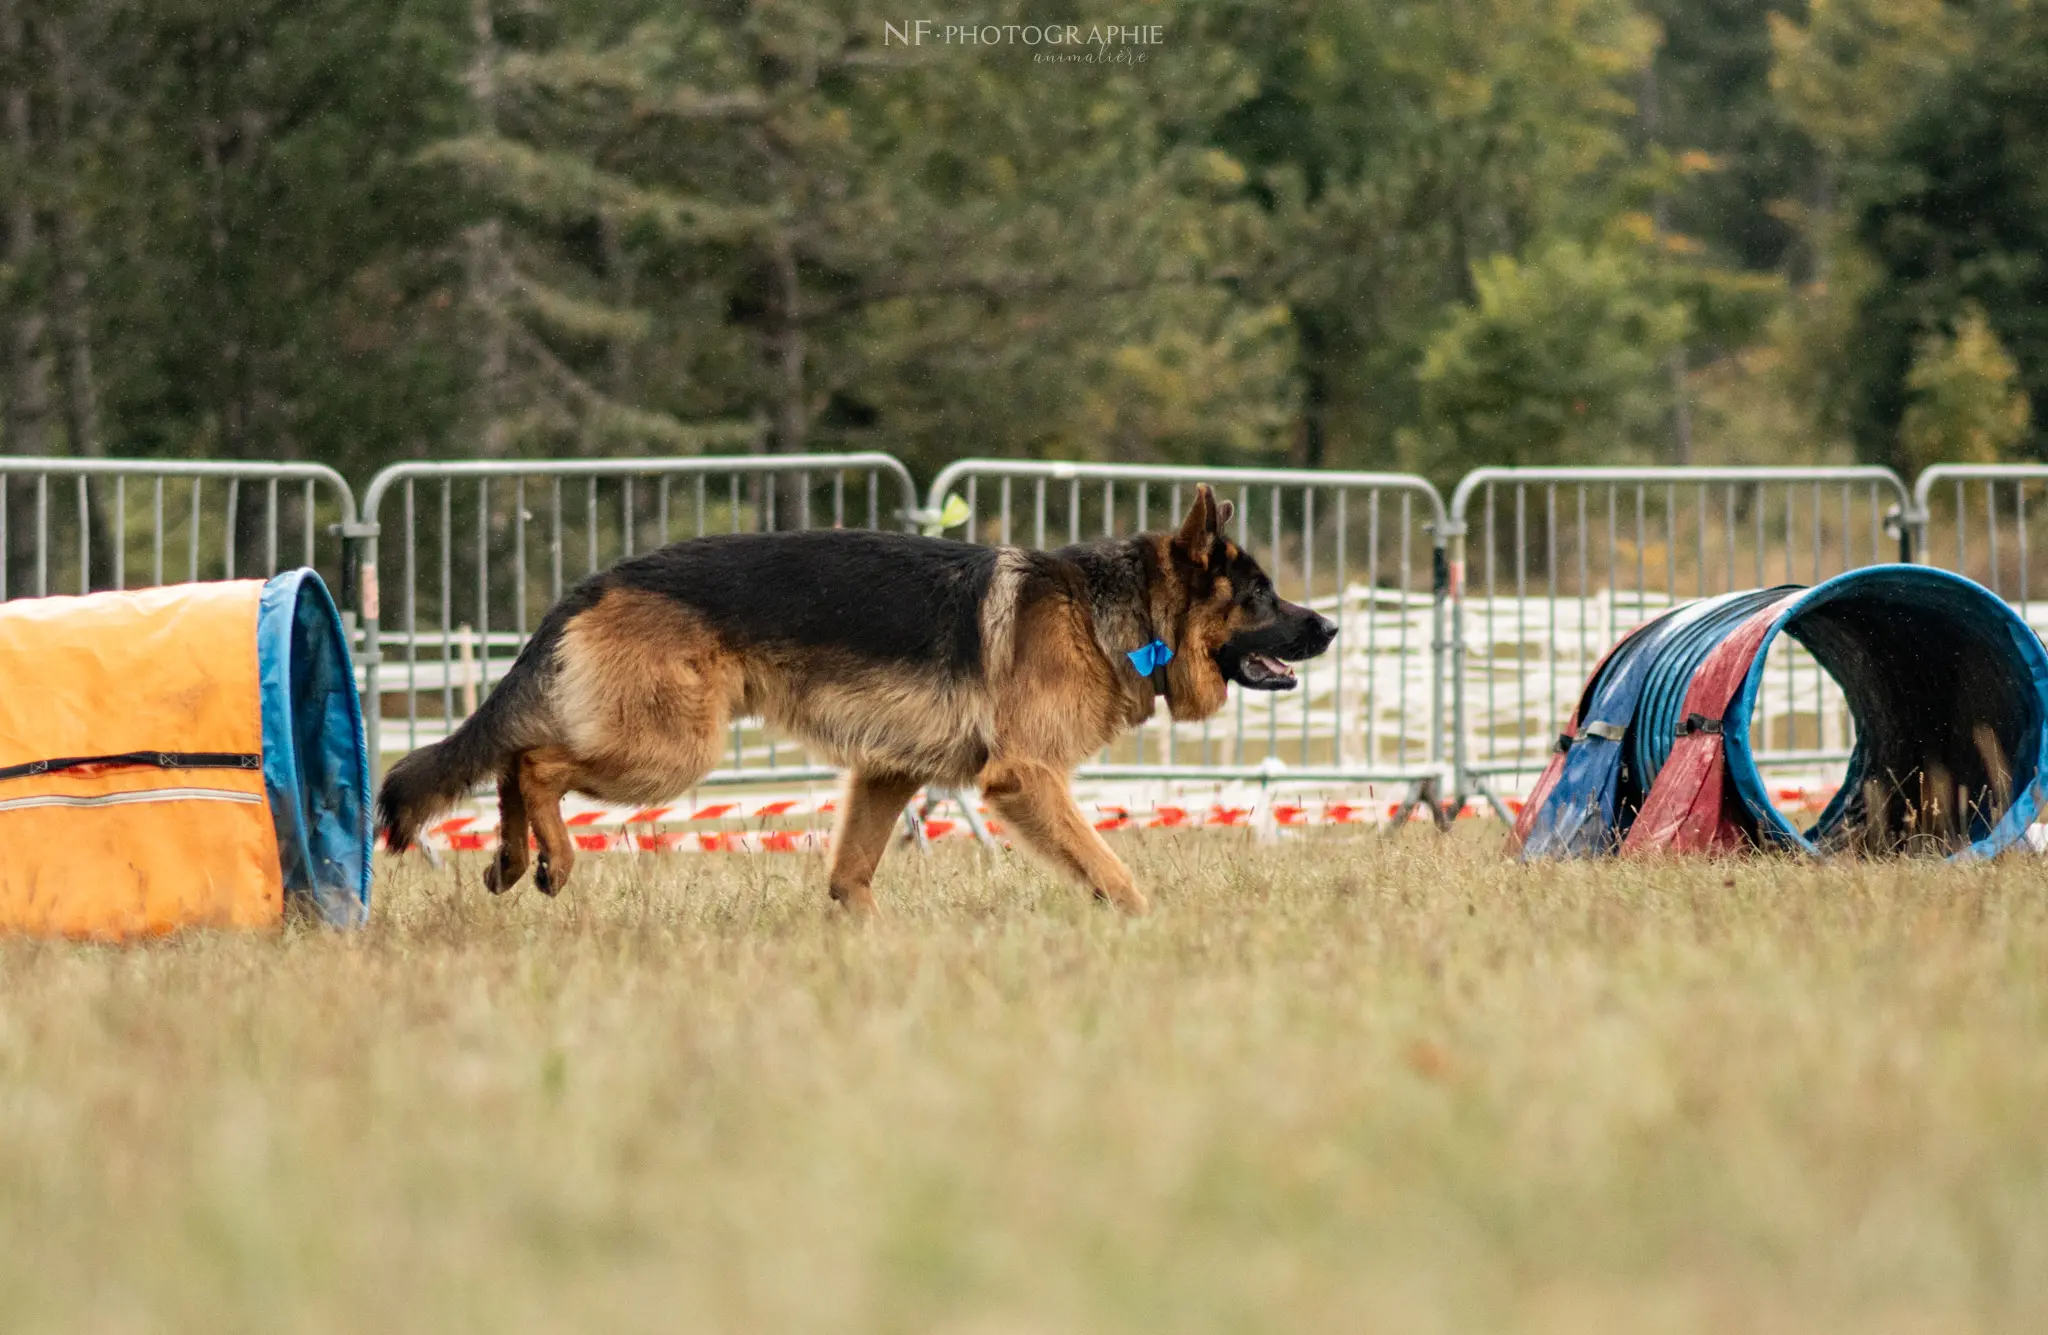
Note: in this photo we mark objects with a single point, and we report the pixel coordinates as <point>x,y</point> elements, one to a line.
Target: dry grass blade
<point>1350,1083</point>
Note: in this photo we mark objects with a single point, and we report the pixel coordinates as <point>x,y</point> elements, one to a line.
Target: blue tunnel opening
<point>1948,688</point>
<point>316,762</point>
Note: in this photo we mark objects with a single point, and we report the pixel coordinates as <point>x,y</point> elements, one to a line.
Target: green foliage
<point>1712,96</point>
<point>1955,213</point>
<point>1966,405</point>
<point>1849,71</point>
<point>915,246</point>
<point>1395,145</point>
<point>1342,232</point>
<point>264,270</point>
<point>1560,360</point>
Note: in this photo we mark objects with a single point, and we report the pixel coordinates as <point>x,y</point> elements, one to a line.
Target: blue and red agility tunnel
<point>180,757</point>
<point>1948,688</point>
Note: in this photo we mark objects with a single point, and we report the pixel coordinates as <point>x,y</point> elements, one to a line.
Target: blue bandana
<point>1150,658</point>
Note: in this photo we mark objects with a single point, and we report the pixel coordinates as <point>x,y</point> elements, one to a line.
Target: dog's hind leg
<point>510,863</point>
<point>1034,799</point>
<point>868,808</point>
<point>544,776</point>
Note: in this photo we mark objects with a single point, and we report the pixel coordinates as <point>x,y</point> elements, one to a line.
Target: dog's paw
<point>856,900</point>
<point>495,879</point>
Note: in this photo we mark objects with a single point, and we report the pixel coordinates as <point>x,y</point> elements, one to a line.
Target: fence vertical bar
<point>1338,733</point>
<point>234,522</point>
<point>1369,705</point>
<point>42,535</point>
<point>447,604</point>
<point>1521,618</point>
<point>2019,515</point>
<point>519,552</point>
<point>120,534</point>
<point>1997,580</point>
<point>555,540</point>
<point>483,587</point>
<point>1492,613</point>
<point>84,535</point>
<point>412,621</point>
<point>1308,593</point>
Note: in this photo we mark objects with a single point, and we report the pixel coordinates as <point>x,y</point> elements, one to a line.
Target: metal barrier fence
<point>132,523</point>
<point>467,556</point>
<point>1468,628</point>
<point>1986,521</point>
<point>1553,565</point>
<point>1363,548</point>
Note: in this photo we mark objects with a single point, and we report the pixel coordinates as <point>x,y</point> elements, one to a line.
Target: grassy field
<point>1346,1084</point>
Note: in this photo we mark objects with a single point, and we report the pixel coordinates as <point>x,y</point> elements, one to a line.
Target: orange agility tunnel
<point>177,757</point>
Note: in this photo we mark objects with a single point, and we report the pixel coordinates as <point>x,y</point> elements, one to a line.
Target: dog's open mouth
<point>1263,672</point>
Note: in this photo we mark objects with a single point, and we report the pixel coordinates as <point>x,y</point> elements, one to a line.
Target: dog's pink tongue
<point>1273,667</point>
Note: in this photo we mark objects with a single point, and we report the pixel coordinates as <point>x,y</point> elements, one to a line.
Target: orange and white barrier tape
<point>603,829</point>
<point>606,829</point>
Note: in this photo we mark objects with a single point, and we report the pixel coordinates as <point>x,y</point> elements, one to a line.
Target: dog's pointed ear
<point>1204,524</point>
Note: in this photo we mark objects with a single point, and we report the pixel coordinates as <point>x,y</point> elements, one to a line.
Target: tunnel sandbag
<point>1586,811</point>
<point>1948,688</point>
<point>180,757</point>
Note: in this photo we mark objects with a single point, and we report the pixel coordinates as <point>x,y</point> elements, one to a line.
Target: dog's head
<point>1236,627</point>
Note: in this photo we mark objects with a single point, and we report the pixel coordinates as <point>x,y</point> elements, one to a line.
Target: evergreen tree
<point>1955,216</point>
<point>765,208</point>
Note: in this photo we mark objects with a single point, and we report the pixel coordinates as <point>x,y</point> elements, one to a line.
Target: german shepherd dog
<point>905,660</point>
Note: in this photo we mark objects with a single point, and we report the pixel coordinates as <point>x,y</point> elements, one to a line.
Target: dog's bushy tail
<point>436,777</point>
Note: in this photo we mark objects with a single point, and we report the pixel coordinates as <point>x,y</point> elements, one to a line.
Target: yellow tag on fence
<point>952,514</point>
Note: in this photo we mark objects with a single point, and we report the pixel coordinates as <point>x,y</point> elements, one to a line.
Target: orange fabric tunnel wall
<point>179,757</point>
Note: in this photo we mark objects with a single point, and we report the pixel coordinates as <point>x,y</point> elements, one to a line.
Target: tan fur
<point>644,690</point>
<point>642,698</point>
<point>546,774</point>
<point>1034,798</point>
<point>999,611</point>
<point>863,715</point>
<point>868,807</point>
<point>510,864</point>
<point>1061,700</point>
<point>1195,687</point>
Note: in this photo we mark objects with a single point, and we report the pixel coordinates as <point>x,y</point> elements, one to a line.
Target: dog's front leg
<point>1036,802</point>
<point>868,809</point>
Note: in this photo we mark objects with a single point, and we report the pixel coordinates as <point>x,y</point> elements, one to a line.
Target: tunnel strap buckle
<point>1699,723</point>
<point>1606,732</point>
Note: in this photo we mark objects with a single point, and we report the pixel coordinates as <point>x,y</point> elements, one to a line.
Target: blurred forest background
<point>1366,233</point>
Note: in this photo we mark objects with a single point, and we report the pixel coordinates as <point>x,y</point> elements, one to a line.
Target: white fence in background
<point>1468,628</point>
